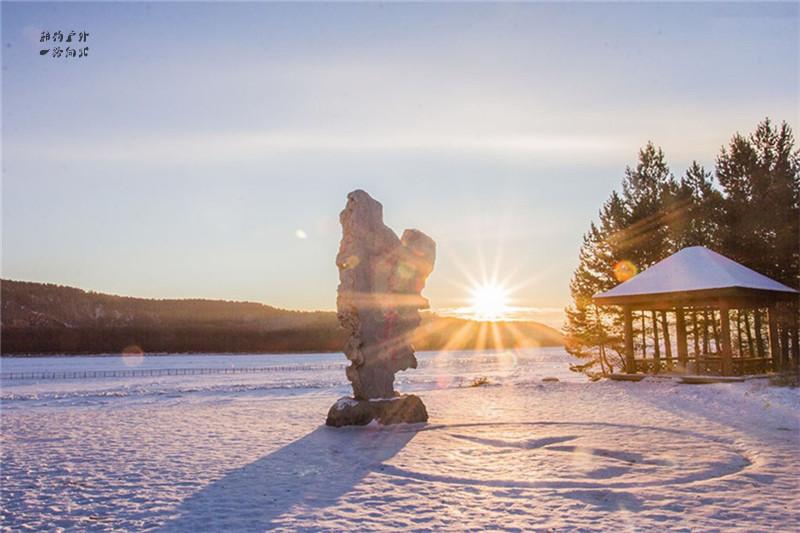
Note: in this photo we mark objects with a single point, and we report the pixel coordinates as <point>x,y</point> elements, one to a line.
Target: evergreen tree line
<point>747,209</point>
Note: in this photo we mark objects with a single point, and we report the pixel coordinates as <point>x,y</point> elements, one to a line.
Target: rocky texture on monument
<point>381,278</point>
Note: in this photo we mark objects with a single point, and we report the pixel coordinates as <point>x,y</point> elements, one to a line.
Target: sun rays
<point>489,313</point>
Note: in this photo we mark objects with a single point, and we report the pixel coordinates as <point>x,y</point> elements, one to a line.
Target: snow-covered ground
<point>249,452</point>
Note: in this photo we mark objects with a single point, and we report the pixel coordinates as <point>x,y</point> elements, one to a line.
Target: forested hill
<point>40,318</point>
<point>26,304</point>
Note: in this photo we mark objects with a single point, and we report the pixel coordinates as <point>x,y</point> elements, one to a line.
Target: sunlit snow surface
<point>248,452</point>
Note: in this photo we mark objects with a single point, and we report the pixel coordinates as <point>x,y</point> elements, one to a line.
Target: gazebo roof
<point>693,272</point>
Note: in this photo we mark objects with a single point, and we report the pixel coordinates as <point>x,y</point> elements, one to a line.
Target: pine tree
<point>589,333</point>
<point>760,179</point>
<point>632,230</point>
<point>644,239</point>
<point>700,217</point>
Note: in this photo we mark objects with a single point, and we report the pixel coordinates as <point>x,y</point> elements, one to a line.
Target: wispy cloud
<point>250,146</point>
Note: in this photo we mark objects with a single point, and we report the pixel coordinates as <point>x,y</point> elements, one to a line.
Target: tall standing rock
<point>381,278</point>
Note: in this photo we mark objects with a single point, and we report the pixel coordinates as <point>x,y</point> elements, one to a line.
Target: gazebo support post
<point>630,363</point>
<point>727,349</point>
<point>795,321</point>
<point>695,338</point>
<point>795,347</point>
<point>644,338</point>
<point>784,327</point>
<point>739,341</point>
<point>667,344</point>
<point>749,334</point>
<point>680,330</point>
<point>656,346</point>
<point>715,331</point>
<point>774,345</point>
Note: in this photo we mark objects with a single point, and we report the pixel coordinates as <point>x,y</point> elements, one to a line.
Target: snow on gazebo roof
<point>694,269</point>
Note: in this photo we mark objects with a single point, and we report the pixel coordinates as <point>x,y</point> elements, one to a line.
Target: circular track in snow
<point>566,455</point>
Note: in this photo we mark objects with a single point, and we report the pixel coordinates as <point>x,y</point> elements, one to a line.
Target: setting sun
<point>489,302</point>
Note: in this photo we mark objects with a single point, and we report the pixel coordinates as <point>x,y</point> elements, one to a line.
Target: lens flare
<point>132,356</point>
<point>624,270</point>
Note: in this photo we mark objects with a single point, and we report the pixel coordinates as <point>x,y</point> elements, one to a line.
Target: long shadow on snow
<point>314,472</point>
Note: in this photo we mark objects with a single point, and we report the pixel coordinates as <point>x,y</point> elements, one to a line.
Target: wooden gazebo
<point>696,284</point>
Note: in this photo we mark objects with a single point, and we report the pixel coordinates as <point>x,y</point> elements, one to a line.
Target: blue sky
<point>182,156</point>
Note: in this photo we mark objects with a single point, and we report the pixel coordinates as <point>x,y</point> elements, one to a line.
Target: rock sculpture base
<point>351,412</point>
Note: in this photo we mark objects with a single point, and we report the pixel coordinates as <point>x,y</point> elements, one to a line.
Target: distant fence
<point>146,372</point>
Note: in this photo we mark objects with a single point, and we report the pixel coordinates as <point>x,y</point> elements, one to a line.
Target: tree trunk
<point>602,360</point>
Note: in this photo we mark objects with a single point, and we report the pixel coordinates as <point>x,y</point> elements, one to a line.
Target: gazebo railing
<point>751,365</point>
<point>704,364</point>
